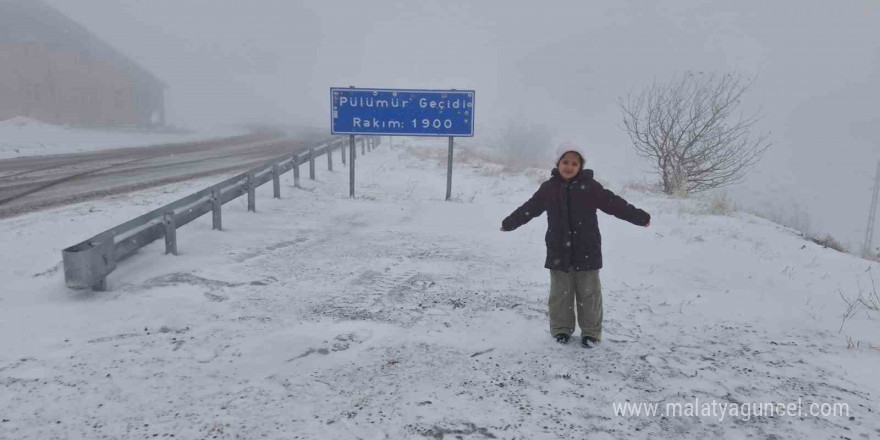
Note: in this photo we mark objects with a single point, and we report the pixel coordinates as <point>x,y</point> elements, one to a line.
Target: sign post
<point>353,152</point>
<point>449,171</point>
<point>402,112</point>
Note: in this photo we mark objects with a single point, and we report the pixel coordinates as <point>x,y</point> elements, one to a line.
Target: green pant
<point>581,291</point>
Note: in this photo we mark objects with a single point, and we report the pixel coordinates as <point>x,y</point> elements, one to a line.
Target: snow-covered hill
<point>400,315</point>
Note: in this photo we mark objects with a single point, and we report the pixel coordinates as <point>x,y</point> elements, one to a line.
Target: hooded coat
<point>573,239</point>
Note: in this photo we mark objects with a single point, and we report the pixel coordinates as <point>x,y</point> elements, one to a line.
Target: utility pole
<point>872,214</point>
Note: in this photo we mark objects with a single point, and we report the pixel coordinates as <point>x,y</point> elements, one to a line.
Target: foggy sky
<point>561,63</point>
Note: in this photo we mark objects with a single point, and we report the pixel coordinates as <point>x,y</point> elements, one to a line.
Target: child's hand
<point>648,224</point>
<point>503,230</point>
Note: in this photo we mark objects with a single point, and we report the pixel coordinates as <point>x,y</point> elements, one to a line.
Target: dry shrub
<point>650,188</point>
<point>827,241</point>
<point>721,204</point>
<point>424,152</point>
<point>790,214</point>
<point>485,161</point>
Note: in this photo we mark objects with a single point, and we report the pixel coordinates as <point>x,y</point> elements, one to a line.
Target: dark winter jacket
<point>573,239</point>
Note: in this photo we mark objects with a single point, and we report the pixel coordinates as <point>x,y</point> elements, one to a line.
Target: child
<point>574,245</point>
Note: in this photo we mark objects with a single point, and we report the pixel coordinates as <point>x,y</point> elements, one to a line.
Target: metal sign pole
<point>449,171</point>
<point>872,213</point>
<point>352,153</point>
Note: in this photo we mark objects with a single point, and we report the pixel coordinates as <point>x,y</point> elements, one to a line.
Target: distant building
<point>55,70</point>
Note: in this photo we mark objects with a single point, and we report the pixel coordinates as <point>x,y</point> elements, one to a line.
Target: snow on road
<point>400,315</point>
<point>20,137</point>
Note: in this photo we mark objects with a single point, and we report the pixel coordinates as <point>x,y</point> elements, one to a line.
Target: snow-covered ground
<point>21,137</point>
<point>400,315</point>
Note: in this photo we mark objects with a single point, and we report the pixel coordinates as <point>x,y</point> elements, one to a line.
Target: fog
<point>563,64</point>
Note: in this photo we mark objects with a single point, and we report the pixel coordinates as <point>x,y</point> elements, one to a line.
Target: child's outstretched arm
<point>529,210</point>
<point>615,205</point>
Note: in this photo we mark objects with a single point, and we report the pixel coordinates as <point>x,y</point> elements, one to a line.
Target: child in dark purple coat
<point>574,245</point>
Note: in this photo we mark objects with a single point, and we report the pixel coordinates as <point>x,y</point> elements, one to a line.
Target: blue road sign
<point>398,112</point>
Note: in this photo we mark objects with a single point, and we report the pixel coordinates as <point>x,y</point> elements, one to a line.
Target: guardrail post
<point>342,152</point>
<point>170,233</point>
<point>252,193</point>
<point>216,204</point>
<point>296,170</point>
<point>311,164</point>
<point>329,150</point>
<point>276,181</point>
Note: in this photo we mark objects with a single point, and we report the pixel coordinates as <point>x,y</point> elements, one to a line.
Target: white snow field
<point>20,137</point>
<point>399,315</point>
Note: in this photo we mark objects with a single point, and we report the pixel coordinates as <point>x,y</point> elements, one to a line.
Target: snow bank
<point>22,136</point>
<point>400,315</point>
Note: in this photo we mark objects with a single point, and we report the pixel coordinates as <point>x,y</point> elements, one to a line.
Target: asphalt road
<point>32,183</point>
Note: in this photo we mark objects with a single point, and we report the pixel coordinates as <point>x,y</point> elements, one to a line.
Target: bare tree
<point>691,131</point>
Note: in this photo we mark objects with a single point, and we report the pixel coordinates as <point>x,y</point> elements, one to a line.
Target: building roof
<point>37,22</point>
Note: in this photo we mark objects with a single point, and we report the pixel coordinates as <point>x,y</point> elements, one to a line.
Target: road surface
<point>32,183</point>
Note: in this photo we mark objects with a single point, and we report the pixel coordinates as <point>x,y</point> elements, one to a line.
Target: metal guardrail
<point>87,264</point>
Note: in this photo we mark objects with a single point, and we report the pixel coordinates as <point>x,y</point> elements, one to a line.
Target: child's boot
<point>589,341</point>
